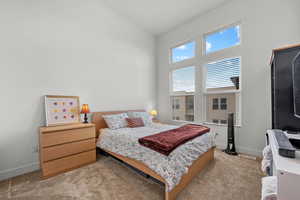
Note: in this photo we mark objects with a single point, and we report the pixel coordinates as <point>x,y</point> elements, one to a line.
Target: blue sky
<point>183,52</point>
<point>218,73</point>
<point>223,39</point>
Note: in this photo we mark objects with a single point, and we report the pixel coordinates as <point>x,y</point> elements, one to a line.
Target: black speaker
<point>230,136</point>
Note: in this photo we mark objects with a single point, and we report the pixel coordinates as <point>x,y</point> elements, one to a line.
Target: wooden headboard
<point>99,122</point>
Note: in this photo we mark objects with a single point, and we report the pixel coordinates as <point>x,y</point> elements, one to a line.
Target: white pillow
<point>116,121</point>
<point>147,118</point>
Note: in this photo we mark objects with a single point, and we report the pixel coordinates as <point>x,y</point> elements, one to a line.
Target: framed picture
<point>61,110</point>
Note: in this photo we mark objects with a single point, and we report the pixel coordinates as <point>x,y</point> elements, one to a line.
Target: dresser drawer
<point>63,164</point>
<point>61,137</point>
<point>59,151</point>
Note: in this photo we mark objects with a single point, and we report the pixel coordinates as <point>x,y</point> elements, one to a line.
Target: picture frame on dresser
<point>62,110</point>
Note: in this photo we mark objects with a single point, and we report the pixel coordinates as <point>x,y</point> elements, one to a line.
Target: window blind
<point>221,73</point>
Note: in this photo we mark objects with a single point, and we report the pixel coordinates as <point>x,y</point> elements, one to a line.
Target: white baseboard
<point>248,151</point>
<point>244,150</point>
<point>9,173</point>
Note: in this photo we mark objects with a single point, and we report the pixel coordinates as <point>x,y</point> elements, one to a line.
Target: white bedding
<point>124,141</point>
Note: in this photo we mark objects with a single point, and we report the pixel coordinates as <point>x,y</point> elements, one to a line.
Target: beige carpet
<point>227,178</point>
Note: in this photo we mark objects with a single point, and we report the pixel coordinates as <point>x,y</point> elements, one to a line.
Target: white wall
<point>266,24</point>
<point>65,47</point>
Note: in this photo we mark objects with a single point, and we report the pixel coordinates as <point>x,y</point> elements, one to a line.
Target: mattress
<point>124,141</point>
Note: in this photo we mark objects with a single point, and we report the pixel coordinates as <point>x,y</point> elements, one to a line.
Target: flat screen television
<point>286,89</point>
<point>296,84</point>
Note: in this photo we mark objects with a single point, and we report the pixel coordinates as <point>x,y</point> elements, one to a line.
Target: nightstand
<point>66,147</point>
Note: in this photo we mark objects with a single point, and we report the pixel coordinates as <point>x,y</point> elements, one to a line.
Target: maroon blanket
<point>165,142</point>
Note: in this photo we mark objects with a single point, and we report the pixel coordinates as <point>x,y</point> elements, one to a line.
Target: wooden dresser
<point>66,147</point>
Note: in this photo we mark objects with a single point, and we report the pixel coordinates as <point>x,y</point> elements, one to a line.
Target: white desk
<point>287,171</point>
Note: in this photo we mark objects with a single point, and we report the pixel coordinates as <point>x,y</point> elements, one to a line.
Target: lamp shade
<point>85,109</point>
<point>153,112</point>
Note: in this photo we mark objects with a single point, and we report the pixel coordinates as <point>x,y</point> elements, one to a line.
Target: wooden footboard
<point>194,169</point>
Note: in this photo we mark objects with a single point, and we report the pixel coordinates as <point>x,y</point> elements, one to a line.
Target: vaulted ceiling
<point>159,16</point>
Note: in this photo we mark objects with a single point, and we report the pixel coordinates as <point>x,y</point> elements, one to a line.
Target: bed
<point>175,170</point>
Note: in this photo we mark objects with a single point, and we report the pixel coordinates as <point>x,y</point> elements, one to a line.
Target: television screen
<point>296,84</point>
<point>286,89</point>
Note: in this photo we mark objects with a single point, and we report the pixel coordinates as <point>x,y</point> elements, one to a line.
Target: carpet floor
<point>226,178</point>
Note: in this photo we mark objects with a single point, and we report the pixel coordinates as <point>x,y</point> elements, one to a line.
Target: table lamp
<point>85,110</point>
<point>153,113</point>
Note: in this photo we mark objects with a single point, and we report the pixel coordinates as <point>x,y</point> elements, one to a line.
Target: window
<point>222,39</point>
<point>215,105</point>
<point>183,80</point>
<point>182,94</point>
<point>189,103</point>
<point>222,83</point>
<point>183,52</point>
<point>229,103</point>
<point>223,121</point>
<point>223,104</point>
<point>185,108</point>
<point>177,104</point>
<point>218,80</point>
<point>215,121</point>
<point>189,118</point>
<point>223,74</point>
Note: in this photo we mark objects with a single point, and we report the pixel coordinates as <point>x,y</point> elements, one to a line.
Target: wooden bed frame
<point>194,169</point>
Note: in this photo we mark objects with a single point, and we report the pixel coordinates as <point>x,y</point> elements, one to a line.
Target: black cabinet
<point>286,88</point>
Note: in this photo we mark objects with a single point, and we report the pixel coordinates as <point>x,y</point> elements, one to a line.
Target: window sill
<point>225,125</point>
<point>182,121</point>
<point>221,92</point>
<point>205,123</point>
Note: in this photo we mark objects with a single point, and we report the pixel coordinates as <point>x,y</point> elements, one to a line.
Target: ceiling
<point>159,16</point>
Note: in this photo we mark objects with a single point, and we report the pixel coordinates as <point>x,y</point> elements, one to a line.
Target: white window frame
<point>238,91</point>
<point>218,30</point>
<point>221,91</point>
<point>199,61</point>
<point>174,94</point>
<point>178,45</point>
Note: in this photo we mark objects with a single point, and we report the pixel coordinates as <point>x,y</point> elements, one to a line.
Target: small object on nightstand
<point>85,110</point>
<point>154,114</point>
